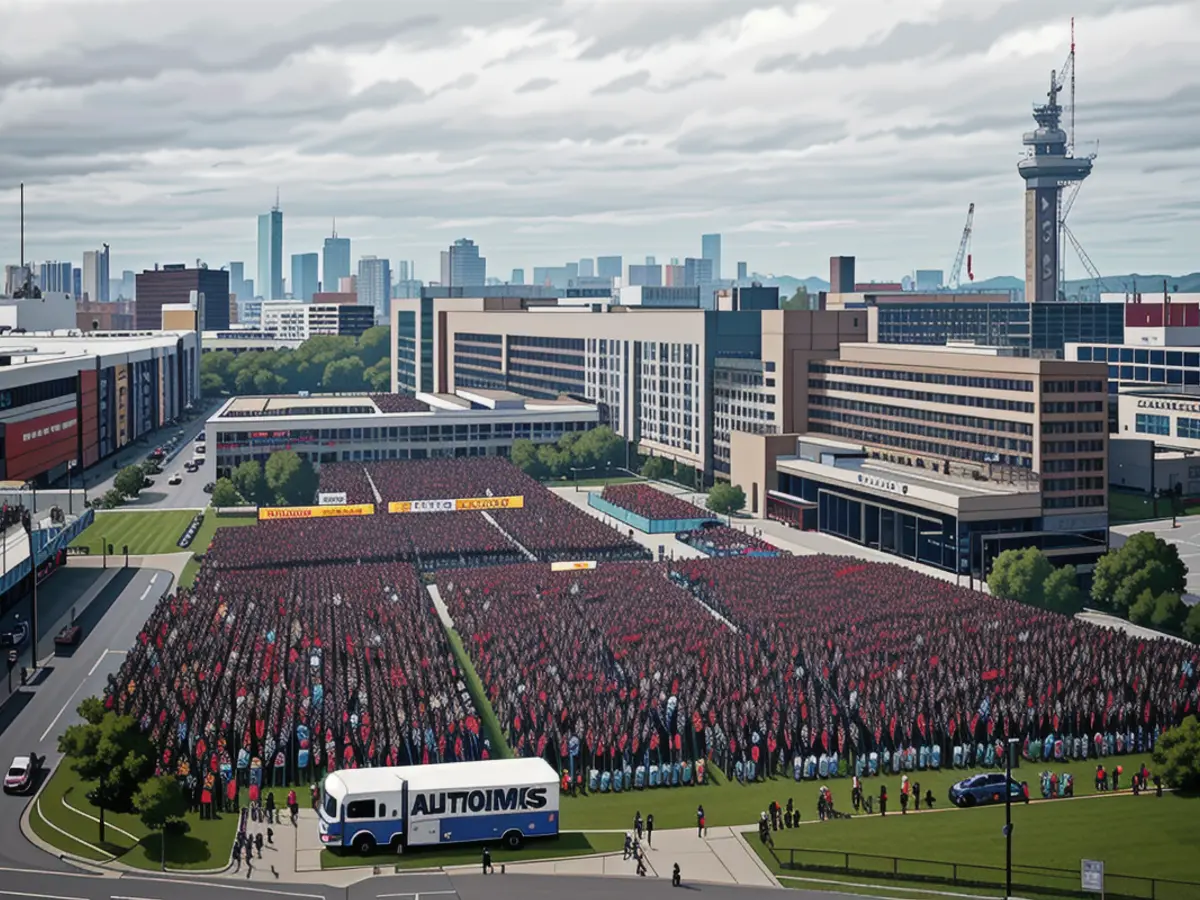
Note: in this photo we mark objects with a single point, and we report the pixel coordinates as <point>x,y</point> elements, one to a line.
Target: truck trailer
<point>505,800</point>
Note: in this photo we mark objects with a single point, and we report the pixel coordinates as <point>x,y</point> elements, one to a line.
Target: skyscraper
<point>374,285</point>
<point>402,273</point>
<point>270,253</point>
<point>609,266</point>
<point>742,274</point>
<point>518,276</point>
<point>304,276</point>
<point>77,282</point>
<point>95,275</point>
<point>335,264</point>
<point>237,280</point>
<point>587,268</point>
<point>697,272</point>
<point>129,284</point>
<point>710,248</point>
<point>56,276</point>
<point>462,266</point>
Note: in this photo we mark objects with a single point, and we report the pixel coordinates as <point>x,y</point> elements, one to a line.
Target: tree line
<point>326,363</point>
<point>1143,580</point>
<point>286,480</point>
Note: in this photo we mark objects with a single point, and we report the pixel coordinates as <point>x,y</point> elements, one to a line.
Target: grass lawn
<point>1126,506</point>
<point>562,846</point>
<point>591,482</point>
<point>730,803</point>
<point>155,531</point>
<point>1134,836</point>
<point>204,537</point>
<point>487,716</point>
<point>206,844</point>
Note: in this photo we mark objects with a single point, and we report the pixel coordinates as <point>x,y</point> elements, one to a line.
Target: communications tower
<point>1048,167</point>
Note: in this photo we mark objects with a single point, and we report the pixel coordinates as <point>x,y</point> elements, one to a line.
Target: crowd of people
<point>721,540</point>
<point>274,676</point>
<point>651,503</point>
<point>10,515</point>
<point>398,403</point>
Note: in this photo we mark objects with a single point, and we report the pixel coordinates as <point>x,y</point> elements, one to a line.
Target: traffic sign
<point>1092,874</point>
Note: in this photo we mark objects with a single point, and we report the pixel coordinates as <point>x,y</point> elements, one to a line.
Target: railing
<point>1032,879</point>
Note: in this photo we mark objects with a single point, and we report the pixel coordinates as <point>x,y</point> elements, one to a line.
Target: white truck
<point>505,800</point>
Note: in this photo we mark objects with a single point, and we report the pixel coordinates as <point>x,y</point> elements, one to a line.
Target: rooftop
<point>393,406</point>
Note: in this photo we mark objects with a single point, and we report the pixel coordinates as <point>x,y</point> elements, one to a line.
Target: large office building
<point>304,276</point>
<point>710,249</point>
<point>295,320</point>
<point>95,275</point>
<point>175,284</point>
<point>56,277</point>
<point>335,261</point>
<point>645,276</point>
<point>462,266</point>
<point>609,267</point>
<point>270,253</point>
<point>80,399</point>
<point>374,285</point>
<point>342,428</point>
<point>946,456</point>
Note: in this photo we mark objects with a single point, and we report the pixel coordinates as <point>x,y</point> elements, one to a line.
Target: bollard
<point>501,868</point>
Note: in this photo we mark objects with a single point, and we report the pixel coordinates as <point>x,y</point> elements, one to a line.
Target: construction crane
<point>964,248</point>
<point>1100,286</point>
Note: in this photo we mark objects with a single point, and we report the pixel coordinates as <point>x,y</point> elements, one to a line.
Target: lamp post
<point>1010,748</point>
<point>575,470</point>
<point>27,521</point>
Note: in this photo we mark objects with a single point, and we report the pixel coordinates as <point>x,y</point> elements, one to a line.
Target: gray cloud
<point>625,83</point>
<point>790,136</point>
<point>536,84</point>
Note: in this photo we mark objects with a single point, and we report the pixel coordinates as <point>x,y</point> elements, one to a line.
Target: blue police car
<point>980,790</point>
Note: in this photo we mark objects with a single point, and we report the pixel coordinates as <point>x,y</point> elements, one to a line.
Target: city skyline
<point>573,132</point>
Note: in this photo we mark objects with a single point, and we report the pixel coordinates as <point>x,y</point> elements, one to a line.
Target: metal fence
<point>1032,879</point>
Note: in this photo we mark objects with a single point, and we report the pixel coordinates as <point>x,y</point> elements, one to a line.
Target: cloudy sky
<point>549,130</point>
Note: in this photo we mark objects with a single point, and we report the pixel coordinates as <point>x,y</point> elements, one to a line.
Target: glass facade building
<point>1028,326</point>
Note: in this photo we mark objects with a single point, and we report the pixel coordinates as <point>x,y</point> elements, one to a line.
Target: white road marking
<point>91,671</point>
<point>149,587</point>
<point>39,896</point>
<point>120,897</point>
<point>418,896</point>
<point>224,887</point>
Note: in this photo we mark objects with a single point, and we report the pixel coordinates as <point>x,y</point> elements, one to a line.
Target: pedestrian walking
<point>637,824</point>
<point>883,800</point>
<point>675,877</point>
<point>270,836</point>
<point>649,829</point>
<point>293,806</point>
<point>254,802</point>
<point>904,803</point>
<point>258,842</point>
<point>488,868</point>
<point>700,824</point>
<point>270,807</point>
<point>316,796</point>
<point>628,845</point>
<point>916,796</point>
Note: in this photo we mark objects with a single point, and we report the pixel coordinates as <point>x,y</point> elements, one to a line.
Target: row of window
<point>922,414</point>
<point>1082,386</point>
<point>1142,374</point>
<point>1087,483</point>
<point>978,382</point>
<point>1088,464</point>
<point>879,390</point>
<point>1139,356</point>
<point>1145,423</point>
<point>1062,447</point>
<point>1086,426</point>
<point>889,439</point>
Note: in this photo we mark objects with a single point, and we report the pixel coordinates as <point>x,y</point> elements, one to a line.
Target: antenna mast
<point>1071,136</point>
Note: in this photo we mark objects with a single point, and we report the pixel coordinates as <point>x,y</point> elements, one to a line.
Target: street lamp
<point>575,470</point>
<point>1010,748</point>
<point>27,521</point>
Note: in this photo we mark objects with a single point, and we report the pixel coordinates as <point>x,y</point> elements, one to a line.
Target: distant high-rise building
<point>645,276</point>
<point>587,268</point>
<point>77,282</point>
<point>374,285</point>
<point>673,274</point>
<point>710,249</point>
<point>929,279</point>
<point>650,260</point>
<point>175,284</point>
<point>304,276</point>
<point>402,274</point>
<point>518,276</point>
<point>335,262</point>
<point>609,266</point>
<point>129,284</point>
<point>462,266</point>
<point>572,271</point>
<point>270,253</point>
<point>697,272</point>
<point>237,280</point>
<point>55,276</point>
<point>841,274</point>
<point>95,275</point>
<point>742,273</point>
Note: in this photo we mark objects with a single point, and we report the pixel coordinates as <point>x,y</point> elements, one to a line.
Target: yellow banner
<point>572,566</point>
<point>465,504</point>
<point>315,512</point>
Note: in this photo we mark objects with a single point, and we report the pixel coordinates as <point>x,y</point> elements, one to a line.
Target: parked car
<point>199,439</point>
<point>19,777</point>
<point>981,790</point>
<point>17,637</point>
<point>191,465</point>
<point>177,478</point>
<point>208,488</point>
<point>69,636</point>
<point>148,482</point>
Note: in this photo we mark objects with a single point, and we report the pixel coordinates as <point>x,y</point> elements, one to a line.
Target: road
<point>33,717</point>
<point>64,886</point>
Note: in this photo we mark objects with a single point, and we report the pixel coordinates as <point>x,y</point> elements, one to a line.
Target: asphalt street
<point>34,716</point>
<point>65,886</point>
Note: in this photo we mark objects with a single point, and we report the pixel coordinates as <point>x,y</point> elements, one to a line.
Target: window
<point>1148,424</point>
<point>1187,428</point>
<point>330,807</point>
<point>360,809</point>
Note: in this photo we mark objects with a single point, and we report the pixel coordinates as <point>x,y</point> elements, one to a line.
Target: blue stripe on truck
<point>494,827</point>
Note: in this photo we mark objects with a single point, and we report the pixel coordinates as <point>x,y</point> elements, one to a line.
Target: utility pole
<point>1010,747</point>
<point>27,520</point>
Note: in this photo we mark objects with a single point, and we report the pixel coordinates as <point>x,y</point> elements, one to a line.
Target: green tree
<point>129,481</point>
<point>211,384</point>
<point>110,750</point>
<point>599,447</point>
<point>343,375</point>
<point>112,498</point>
<point>249,482</point>
<point>375,345</point>
<point>655,467</point>
<point>1142,608</point>
<point>225,494</point>
<point>1169,612</point>
<point>1144,562</point>
<point>524,455</point>
<point>1020,575</point>
<point>554,462</point>
<point>379,376</point>
<point>1177,755</point>
<point>726,499</point>
<point>1062,593</point>
<point>160,802</point>
<point>266,382</point>
<point>290,479</point>
<point>1191,625</point>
